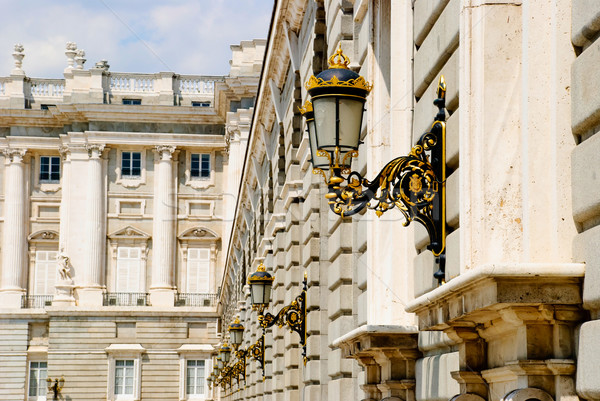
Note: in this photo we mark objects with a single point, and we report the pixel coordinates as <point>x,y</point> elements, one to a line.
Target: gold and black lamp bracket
<point>293,316</point>
<point>237,370</point>
<point>55,386</point>
<point>415,183</point>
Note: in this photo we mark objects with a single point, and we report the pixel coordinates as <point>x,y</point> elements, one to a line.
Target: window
<point>49,168</point>
<point>132,101</point>
<point>194,380</point>
<point>45,272</point>
<point>128,270</point>
<point>200,104</point>
<point>131,164</point>
<point>124,371</point>
<point>198,267</point>
<point>124,377</point>
<point>200,165</point>
<point>38,371</point>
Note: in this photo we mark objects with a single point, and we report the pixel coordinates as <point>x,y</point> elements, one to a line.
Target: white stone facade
<point>512,320</point>
<point>114,200</point>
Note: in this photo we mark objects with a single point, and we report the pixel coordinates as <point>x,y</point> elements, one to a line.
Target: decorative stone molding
<point>18,55</point>
<point>388,355</point>
<point>14,155</point>
<point>467,397</point>
<point>165,151</point>
<point>70,52</point>
<point>44,236</point>
<point>525,394</point>
<point>80,59</point>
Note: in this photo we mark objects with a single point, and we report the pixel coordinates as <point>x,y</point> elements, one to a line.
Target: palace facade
<point>515,314</point>
<point>116,193</point>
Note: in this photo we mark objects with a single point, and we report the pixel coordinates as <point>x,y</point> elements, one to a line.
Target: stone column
<point>163,233</point>
<point>14,238</point>
<point>95,231</point>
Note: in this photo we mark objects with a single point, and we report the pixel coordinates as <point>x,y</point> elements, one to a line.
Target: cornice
<point>64,114</point>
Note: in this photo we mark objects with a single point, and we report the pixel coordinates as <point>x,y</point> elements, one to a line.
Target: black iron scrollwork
<point>415,184</point>
<point>292,316</point>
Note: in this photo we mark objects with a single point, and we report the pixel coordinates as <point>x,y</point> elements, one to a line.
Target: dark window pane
<point>136,156</point>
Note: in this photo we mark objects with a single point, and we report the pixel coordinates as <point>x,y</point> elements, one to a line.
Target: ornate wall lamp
<point>55,386</point>
<point>415,184</point>
<point>237,370</point>
<point>292,315</point>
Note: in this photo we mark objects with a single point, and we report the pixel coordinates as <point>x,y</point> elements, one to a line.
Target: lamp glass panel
<point>351,111</point>
<point>267,293</point>
<point>317,161</point>
<point>236,336</point>
<point>325,122</point>
<point>257,293</point>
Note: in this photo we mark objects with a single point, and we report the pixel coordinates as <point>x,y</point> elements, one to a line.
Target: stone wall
<point>585,175</point>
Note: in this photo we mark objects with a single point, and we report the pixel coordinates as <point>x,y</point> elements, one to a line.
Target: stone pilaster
<point>14,239</point>
<point>95,237</point>
<point>163,235</point>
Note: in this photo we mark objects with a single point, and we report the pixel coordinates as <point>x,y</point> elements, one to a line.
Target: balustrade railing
<point>137,83</point>
<point>192,299</point>
<point>35,301</point>
<point>125,299</point>
<point>3,82</point>
<point>47,87</point>
<point>197,85</point>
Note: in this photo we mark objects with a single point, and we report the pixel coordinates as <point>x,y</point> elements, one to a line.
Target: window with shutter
<point>128,270</point>
<point>198,268</point>
<point>45,272</point>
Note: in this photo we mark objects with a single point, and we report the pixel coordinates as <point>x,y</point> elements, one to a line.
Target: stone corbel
<point>472,359</point>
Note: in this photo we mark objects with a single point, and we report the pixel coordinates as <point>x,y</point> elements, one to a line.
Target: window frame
<point>194,352</point>
<point>43,386</point>
<point>131,181</point>
<point>46,185</point>
<point>51,159</point>
<point>118,352</point>
<point>199,182</point>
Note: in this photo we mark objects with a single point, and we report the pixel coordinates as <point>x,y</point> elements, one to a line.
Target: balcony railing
<point>189,299</point>
<point>47,87</point>
<point>133,83</point>
<point>125,299</point>
<point>35,301</point>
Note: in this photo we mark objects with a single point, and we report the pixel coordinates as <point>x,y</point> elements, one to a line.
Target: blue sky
<point>183,36</point>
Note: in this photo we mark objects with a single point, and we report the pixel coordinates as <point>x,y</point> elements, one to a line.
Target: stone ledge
<point>492,287</point>
<point>368,338</point>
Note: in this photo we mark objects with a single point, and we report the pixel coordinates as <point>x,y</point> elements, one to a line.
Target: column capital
<point>14,155</point>
<point>95,150</point>
<point>165,151</point>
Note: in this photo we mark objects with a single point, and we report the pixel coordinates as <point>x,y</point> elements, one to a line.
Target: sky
<point>146,36</point>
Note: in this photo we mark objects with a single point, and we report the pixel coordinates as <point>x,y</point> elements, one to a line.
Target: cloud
<point>184,36</point>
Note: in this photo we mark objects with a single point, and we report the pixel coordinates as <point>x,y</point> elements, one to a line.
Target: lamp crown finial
<point>306,108</point>
<point>261,267</point>
<point>339,59</point>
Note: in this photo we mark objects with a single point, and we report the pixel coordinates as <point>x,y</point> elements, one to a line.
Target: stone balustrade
<point>46,87</point>
<point>20,91</point>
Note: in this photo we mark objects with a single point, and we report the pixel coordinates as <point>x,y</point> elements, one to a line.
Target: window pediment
<point>44,236</point>
<point>198,234</point>
<point>129,233</point>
